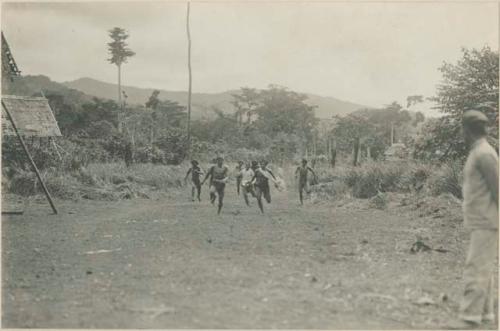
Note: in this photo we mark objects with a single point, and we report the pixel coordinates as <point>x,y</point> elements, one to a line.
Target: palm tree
<point>119,51</point>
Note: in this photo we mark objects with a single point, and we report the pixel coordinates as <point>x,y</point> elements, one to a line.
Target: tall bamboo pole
<point>190,83</point>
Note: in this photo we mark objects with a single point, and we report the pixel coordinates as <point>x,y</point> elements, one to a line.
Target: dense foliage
<point>471,83</point>
<point>273,123</point>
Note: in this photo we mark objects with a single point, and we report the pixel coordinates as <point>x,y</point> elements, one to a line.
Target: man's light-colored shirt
<point>480,209</point>
<point>247,175</point>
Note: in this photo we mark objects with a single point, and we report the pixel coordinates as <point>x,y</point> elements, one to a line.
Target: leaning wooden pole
<point>190,84</point>
<point>33,165</point>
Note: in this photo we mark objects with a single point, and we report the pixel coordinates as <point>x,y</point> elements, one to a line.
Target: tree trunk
<point>356,152</point>
<point>327,149</point>
<point>314,146</point>
<point>392,133</point>
<point>132,139</point>
<point>333,153</point>
<point>120,108</point>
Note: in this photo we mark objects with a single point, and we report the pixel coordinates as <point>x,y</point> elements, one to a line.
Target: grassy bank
<point>426,187</point>
<point>101,181</point>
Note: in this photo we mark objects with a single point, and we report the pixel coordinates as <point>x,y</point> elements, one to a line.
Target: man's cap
<point>474,117</point>
<point>194,162</point>
<point>219,158</point>
<point>304,160</point>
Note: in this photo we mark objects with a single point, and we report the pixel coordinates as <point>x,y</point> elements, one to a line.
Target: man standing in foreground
<point>218,179</point>
<point>480,207</point>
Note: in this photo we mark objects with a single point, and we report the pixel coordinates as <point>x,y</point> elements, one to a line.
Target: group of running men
<point>252,179</point>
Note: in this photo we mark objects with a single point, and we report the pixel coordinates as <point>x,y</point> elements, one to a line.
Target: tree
<point>471,83</point>
<point>419,118</point>
<point>153,100</point>
<point>350,130</point>
<point>413,100</point>
<point>245,102</point>
<point>282,110</point>
<point>119,51</point>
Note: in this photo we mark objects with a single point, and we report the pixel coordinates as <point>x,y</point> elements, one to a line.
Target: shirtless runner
<point>218,178</point>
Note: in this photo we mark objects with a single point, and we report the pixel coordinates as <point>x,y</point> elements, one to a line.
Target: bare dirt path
<point>171,263</point>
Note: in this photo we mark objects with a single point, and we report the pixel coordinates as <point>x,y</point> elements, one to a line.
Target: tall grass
<point>99,181</point>
<point>111,181</point>
<point>370,179</point>
<point>161,177</point>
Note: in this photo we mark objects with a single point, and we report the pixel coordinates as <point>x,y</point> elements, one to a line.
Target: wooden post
<point>392,133</point>
<point>333,146</point>
<point>327,150</point>
<point>33,165</point>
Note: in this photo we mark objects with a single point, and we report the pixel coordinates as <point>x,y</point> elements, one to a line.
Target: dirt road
<point>171,263</point>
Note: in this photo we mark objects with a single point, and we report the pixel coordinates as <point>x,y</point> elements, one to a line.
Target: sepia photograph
<point>250,165</point>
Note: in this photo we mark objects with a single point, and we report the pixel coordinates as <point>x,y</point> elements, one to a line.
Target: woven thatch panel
<point>32,116</point>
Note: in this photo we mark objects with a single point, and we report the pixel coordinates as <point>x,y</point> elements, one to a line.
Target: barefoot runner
<point>247,175</point>
<point>261,180</point>
<point>196,172</point>
<point>302,172</point>
<point>218,178</point>
<point>239,168</point>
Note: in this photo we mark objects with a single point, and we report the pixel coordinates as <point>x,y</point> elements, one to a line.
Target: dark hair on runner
<point>194,162</point>
<point>304,161</point>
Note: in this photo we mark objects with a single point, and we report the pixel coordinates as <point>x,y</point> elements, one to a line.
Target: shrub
<point>379,201</point>
<point>174,147</point>
<point>149,154</point>
<point>330,191</point>
<point>23,183</point>
<point>447,179</point>
<point>367,180</point>
<point>414,177</point>
<point>64,186</point>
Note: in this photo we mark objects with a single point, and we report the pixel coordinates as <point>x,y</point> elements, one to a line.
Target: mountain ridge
<point>202,102</point>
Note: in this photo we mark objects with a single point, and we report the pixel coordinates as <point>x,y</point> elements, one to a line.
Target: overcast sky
<point>369,53</point>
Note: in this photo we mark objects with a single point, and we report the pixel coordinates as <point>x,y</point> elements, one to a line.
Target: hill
<point>35,85</point>
<point>202,103</point>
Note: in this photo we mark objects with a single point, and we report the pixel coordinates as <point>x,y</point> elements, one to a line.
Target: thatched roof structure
<point>9,66</point>
<point>32,115</point>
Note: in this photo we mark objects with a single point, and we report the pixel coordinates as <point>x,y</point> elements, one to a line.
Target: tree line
<point>277,123</point>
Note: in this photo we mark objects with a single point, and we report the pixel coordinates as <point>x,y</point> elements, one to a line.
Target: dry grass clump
<point>333,190</point>
<point>379,201</point>
<point>370,179</point>
<point>25,183</point>
<point>446,179</point>
<point>100,181</point>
